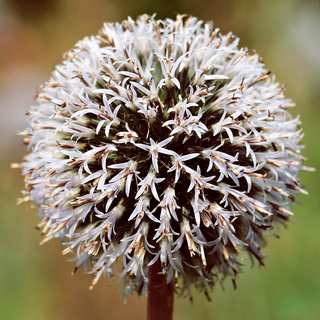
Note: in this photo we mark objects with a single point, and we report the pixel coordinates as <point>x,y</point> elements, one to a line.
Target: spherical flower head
<point>162,141</point>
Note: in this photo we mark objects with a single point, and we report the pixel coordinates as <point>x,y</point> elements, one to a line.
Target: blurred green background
<point>35,282</point>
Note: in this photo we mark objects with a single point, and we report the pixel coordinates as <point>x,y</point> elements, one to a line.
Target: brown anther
<point>217,46</point>
<point>51,174</point>
<point>274,163</point>
<point>23,133</point>
<point>225,253</point>
<point>73,272</point>
<point>58,228</point>
<point>213,35</point>
<point>75,162</point>
<point>205,219</point>
<point>106,40</point>
<point>43,128</point>
<point>126,24</point>
<point>81,201</point>
<point>112,87</point>
<point>259,209</point>
<point>263,77</point>
<point>156,26</point>
<point>222,220</point>
<point>44,96</point>
<point>80,77</point>
<point>230,38</point>
<point>234,219</point>
<point>169,49</point>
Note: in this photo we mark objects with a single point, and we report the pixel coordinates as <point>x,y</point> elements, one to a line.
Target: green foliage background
<point>35,282</point>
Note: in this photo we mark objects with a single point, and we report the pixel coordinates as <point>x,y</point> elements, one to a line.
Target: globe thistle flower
<point>162,142</point>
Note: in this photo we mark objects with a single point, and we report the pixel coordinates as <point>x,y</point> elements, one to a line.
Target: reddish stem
<point>160,295</point>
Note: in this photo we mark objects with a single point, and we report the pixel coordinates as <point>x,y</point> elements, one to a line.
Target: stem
<point>160,295</point>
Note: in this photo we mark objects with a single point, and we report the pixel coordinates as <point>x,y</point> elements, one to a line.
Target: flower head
<point>162,141</point>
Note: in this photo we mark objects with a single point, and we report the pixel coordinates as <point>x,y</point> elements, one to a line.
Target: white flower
<point>149,182</point>
<point>162,140</point>
<point>179,166</point>
<point>155,148</point>
<point>127,136</point>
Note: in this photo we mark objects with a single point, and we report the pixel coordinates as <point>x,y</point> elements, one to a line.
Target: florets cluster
<point>162,141</point>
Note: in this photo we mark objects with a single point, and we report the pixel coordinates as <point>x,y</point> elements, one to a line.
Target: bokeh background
<point>35,281</point>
